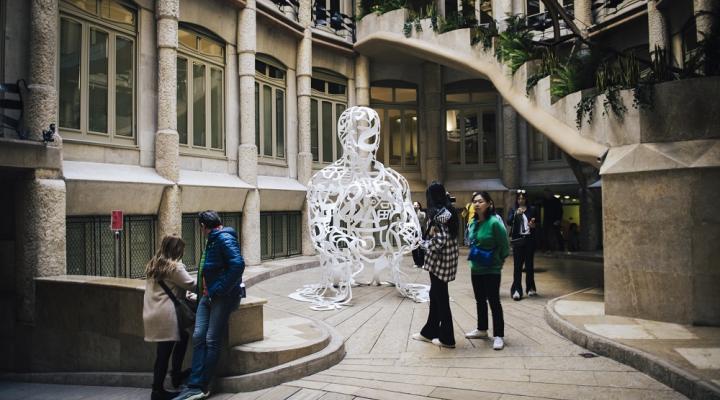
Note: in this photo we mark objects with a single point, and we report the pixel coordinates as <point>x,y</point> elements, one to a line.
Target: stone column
<point>582,9</point>
<point>41,105</point>
<point>657,28</point>
<point>510,159</point>
<point>40,229</point>
<point>523,151</point>
<point>704,20</point>
<point>362,81</point>
<point>247,151</point>
<point>167,145</point>
<point>590,219</point>
<point>304,74</point>
<point>434,132</point>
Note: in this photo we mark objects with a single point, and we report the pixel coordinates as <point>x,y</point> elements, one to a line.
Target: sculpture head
<point>359,133</point>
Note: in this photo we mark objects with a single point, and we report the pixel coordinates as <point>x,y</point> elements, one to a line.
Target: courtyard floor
<point>382,362</point>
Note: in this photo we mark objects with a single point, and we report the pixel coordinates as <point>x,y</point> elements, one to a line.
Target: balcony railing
<point>540,25</point>
<point>333,21</point>
<point>604,9</point>
<point>288,7</point>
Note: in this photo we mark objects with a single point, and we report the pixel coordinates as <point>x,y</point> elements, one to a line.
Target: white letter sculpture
<point>359,212</point>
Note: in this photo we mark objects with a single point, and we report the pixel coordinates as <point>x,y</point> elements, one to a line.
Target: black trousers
<point>418,257</point>
<point>523,255</point>
<point>439,323</point>
<point>162,357</point>
<point>487,290</point>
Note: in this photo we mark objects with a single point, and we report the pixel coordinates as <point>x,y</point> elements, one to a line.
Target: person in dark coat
<point>552,220</point>
<point>219,278</point>
<point>521,220</point>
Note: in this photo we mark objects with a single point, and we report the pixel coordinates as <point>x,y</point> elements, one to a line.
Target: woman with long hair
<point>488,232</point>
<point>441,262</point>
<point>159,318</point>
<point>522,234</point>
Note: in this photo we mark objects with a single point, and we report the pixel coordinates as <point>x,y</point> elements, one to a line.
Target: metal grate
<point>280,234</point>
<point>90,246</point>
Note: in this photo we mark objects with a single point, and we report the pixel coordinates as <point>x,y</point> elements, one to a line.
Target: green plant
<point>484,35</point>
<point>515,45</point>
<point>585,107</point>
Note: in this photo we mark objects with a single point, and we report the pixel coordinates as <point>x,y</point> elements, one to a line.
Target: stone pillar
<point>518,6</point>
<point>362,81</point>
<point>167,145</point>
<point>247,151</point>
<point>582,10</point>
<point>590,219</point>
<point>704,17</point>
<point>42,99</point>
<point>434,132</point>
<point>304,75</point>
<point>510,159</point>
<point>523,150</point>
<point>657,28</point>
<point>40,229</point>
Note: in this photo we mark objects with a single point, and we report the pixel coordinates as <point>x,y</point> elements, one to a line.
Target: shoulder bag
<point>480,256</point>
<point>184,310</point>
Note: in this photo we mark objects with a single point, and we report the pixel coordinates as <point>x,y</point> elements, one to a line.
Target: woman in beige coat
<point>159,316</point>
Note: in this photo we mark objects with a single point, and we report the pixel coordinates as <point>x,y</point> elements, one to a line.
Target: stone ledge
<point>332,354</point>
<point>678,379</point>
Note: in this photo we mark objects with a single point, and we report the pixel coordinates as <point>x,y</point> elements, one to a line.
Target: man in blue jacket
<point>219,278</point>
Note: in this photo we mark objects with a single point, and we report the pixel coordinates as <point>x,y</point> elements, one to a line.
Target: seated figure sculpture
<point>360,213</point>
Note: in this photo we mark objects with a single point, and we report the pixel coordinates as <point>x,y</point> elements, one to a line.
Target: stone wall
<point>86,323</point>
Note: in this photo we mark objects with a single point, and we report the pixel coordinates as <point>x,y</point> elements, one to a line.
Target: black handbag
<point>184,309</point>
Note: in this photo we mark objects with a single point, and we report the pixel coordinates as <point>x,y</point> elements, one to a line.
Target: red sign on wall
<point>116,220</point>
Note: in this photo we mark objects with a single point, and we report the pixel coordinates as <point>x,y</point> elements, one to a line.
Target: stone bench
<point>92,323</point>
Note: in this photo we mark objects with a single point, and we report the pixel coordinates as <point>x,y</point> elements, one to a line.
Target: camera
<point>451,199</point>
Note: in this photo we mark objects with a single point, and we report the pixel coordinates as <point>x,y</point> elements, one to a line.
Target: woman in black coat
<point>521,220</point>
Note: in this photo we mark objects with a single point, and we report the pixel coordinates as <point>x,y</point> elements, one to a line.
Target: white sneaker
<point>437,342</point>
<point>532,293</point>
<point>420,337</point>
<point>499,343</point>
<point>476,334</point>
<point>516,295</point>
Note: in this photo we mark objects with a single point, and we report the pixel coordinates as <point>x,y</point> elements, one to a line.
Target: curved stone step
<point>287,338</point>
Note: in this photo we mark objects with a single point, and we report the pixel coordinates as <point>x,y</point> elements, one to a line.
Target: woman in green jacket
<point>487,231</point>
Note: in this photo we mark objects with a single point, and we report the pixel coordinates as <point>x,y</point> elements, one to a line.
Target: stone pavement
<point>687,356</point>
<point>382,362</point>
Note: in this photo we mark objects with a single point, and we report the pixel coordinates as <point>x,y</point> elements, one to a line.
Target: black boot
<point>163,394</point>
<point>178,378</point>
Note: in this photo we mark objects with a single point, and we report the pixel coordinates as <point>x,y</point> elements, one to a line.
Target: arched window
<point>329,100</point>
<point>396,104</point>
<point>200,90</point>
<point>270,83</point>
<point>96,74</point>
<point>471,123</point>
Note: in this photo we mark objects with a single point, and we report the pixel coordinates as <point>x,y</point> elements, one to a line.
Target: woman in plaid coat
<point>441,261</point>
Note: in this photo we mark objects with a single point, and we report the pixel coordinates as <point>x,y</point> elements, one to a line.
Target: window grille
<point>280,234</point>
<point>90,246</point>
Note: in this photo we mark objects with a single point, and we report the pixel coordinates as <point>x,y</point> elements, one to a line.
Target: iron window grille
<point>90,246</point>
<point>280,234</point>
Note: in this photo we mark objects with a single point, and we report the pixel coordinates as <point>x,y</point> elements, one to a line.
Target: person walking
<point>159,318</point>
<point>219,279</point>
<point>521,219</point>
<point>488,232</point>
<point>441,262</point>
<point>418,254</point>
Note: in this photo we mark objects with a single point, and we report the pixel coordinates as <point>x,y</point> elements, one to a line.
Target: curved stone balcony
<point>381,34</point>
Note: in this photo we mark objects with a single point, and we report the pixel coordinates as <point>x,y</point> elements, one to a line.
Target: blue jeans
<point>210,325</point>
